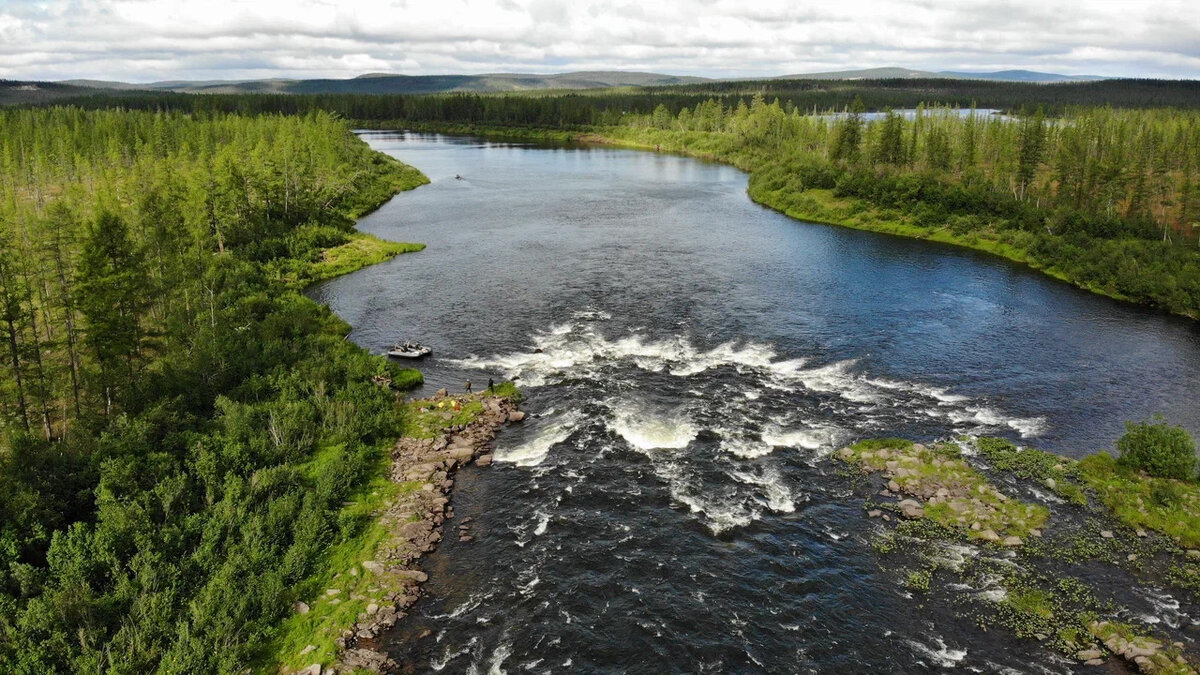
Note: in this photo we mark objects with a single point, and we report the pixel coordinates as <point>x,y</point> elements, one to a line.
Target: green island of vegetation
<point>1139,512</point>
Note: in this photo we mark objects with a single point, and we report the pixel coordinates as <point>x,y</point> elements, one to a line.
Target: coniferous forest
<point>179,426</point>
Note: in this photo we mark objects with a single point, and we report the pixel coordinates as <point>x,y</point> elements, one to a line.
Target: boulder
<point>441,393</point>
<point>1133,651</point>
<point>1094,662</point>
<point>1089,654</point>
<point>989,535</point>
<point>367,659</point>
<point>372,609</point>
<point>911,509</point>
<point>1194,554</point>
<point>314,669</point>
<point>893,486</point>
<point>300,607</point>
<point>1107,534</point>
<point>874,513</point>
<point>414,575</point>
<point>1012,541</point>
<point>483,460</point>
<point>516,416</point>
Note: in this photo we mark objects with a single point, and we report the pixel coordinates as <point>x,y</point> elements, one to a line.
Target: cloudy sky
<point>147,40</point>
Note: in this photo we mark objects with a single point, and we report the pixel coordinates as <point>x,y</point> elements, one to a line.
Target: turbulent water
<point>690,360</point>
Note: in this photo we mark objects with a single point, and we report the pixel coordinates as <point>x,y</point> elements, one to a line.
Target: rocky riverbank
<point>451,432</point>
<point>1018,561</point>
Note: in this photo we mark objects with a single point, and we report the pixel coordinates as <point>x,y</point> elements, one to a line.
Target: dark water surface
<point>691,359</point>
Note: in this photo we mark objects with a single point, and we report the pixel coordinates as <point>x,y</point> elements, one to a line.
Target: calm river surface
<point>690,360</point>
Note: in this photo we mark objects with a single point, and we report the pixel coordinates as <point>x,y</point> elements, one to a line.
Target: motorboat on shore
<point>409,350</point>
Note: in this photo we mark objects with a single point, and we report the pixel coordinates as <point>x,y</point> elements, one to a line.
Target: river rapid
<point>690,360</point>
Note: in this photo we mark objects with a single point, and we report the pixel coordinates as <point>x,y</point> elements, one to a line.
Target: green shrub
<point>1159,449</point>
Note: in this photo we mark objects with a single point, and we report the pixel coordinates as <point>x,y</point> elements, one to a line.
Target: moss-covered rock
<point>943,487</point>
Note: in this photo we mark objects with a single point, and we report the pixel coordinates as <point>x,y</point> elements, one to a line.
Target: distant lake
<point>911,113</point>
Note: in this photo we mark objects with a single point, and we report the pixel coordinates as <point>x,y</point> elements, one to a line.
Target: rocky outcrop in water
<point>414,520</point>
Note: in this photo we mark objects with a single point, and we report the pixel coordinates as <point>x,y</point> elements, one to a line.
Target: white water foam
<point>646,429</point>
<point>439,664</point>
<point>809,439</point>
<point>776,495</point>
<point>498,657</point>
<point>740,445</point>
<point>1166,607</point>
<point>940,654</point>
<point>534,450</point>
<point>576,350</point>
<point>721,513</point>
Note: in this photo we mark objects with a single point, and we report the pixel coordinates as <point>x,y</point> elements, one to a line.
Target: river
<point>690,359</point>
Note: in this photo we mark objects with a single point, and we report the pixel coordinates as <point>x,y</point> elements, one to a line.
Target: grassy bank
<point>308,635</point>
<point>363,250</point>
<point>342,592</point>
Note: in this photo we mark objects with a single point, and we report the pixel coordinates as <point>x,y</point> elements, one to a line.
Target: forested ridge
<point>179,425</point>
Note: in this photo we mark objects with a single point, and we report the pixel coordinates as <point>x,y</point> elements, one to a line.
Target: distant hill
<point>15,92</point>
<point>1021,76</point>
<point>387,83</point>
<point>862,74</point>
<point>390,83</point>
<point>908,73</point>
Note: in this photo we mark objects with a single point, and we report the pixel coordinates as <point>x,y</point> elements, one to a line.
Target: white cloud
<point>145,40</point>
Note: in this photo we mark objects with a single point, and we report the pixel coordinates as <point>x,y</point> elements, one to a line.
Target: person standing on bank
<point>491,385</point>
<point>468,386</point>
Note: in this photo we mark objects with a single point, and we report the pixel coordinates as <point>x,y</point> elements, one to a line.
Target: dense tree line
<point>179,426</point>
<point>609,106</point>
<point>1107,198</point>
